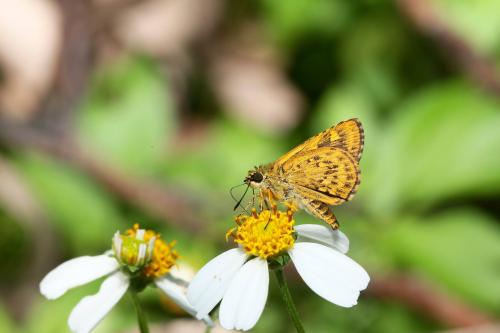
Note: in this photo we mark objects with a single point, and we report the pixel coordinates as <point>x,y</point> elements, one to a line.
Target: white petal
<point>76,272</point>
<point>178,294</point>
<point>246,296</point>
<point>211,282</point>
<point>182,271</point>
<point>316,233</point>
<point>329,273</point>
<point>91,309</point>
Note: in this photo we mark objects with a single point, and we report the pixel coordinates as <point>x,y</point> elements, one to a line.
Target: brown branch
<point>473,64</point>
<point>426,299</point>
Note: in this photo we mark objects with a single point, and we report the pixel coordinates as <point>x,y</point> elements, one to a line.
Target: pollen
<point>266,234</point>
<point>144,250</point>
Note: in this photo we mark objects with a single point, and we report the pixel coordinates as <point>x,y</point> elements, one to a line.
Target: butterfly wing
<point>330,175</point>
<point>347,135</point>
<point>311,143</point>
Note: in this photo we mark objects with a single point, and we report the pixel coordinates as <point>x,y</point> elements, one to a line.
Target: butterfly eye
<point>256,177</point>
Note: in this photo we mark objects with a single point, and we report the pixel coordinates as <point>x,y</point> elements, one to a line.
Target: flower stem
<point>287,298</point>
<point>141,316</point>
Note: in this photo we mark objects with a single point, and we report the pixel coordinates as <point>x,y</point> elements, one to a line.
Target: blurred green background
<point>123,112</point>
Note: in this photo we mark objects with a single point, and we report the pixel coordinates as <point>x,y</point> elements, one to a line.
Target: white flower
<point>240,277</point>
<point>153,256</point>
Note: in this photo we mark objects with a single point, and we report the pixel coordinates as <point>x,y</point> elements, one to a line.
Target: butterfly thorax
<point>266,178</point>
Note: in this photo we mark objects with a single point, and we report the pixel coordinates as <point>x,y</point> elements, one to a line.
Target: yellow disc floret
<point>265,234</point>
<point>144,250</point>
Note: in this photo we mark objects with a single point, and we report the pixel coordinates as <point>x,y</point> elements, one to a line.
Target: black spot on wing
<point>328,194</point>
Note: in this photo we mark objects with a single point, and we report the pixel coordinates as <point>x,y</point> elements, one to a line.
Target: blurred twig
<point>476,66</point>
<point>426,299</point>
<point>154,199</point>
<point>476,329</point>
<point>55,114</point>
<point>51,132</point>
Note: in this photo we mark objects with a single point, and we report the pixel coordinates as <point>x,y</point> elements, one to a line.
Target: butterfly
<point>322,171</point>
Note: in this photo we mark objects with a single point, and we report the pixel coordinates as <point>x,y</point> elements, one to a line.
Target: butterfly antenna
<point>231,191</point>
<point>243,196</point>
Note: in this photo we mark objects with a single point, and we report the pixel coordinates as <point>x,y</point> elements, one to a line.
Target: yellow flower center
<point>265,234</point>
<point>144,250</point>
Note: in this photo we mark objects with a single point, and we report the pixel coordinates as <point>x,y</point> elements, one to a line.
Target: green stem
<point>287,297</point>
<point>141,316</point>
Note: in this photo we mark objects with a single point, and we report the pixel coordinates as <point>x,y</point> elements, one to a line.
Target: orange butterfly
<point>322,171</point>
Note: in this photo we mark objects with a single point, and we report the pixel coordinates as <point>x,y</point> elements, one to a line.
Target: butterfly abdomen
<point>322,211</point>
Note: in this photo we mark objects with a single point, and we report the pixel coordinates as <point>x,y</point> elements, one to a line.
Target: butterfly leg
<point>291,206</point>
<point>267,199</point>
<point>253,197</point>
<point>322,211</point>
<point>263,202</point>
<point>272,201</point>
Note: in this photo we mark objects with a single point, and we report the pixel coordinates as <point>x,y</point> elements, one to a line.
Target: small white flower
<point>138,250</point>
<point>239,278</point>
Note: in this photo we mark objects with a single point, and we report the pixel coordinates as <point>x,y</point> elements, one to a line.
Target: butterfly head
<point>254,177</point>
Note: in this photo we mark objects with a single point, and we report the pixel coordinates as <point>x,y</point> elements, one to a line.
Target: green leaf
<point>128,117</point>
<point>341,103</point>
<point>373,52</point>
<point>459,250</point>
<point>288,23</point>
<point>442,143</point>
<point>477,21</point>
<point>224,157</point>
<point>15,249</point>
<point>6,323</point>
<point>367,316</point>
<point>81,211</point>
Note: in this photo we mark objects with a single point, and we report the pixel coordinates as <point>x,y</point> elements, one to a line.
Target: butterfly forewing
<point>347,135</point>
<point>311,143</point>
